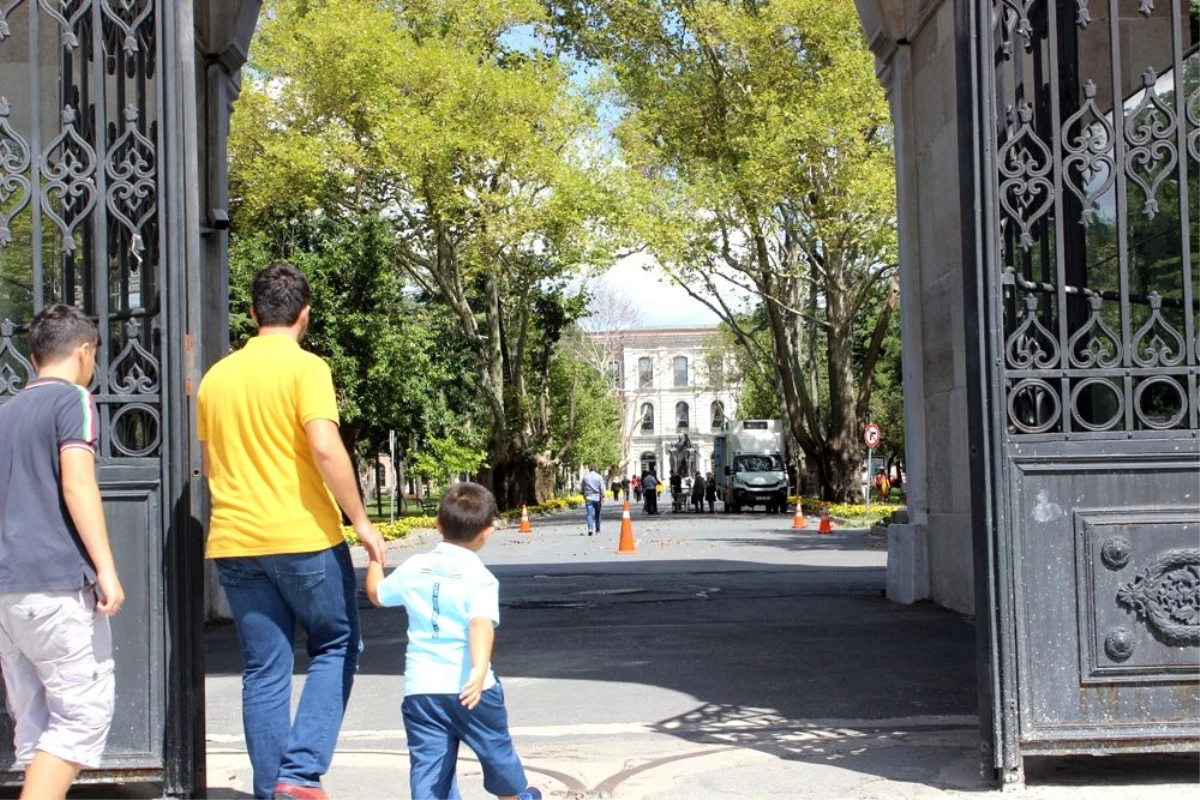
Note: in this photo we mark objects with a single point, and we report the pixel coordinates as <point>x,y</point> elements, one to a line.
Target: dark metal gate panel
<point>1086,131</point>
<point>91,214</point>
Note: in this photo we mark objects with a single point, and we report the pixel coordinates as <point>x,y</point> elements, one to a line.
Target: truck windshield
<point>758,463</point>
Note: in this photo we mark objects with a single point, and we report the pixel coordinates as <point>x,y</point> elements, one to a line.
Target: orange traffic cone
<point>825,526</point>
<point>525,526</point>
<point>626,545</point>
<point>798,522</point>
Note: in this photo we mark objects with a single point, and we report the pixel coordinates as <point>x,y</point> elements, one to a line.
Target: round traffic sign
<point>873,435</point>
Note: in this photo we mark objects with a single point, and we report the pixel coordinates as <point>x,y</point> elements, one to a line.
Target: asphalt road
<point>723,642</point>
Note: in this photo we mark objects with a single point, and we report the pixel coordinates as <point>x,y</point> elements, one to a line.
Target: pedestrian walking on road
<point>650,484</point>
<point>593,498</point>
<point>58,579</point>
<point>451,694</point>
<point>710,493</point>
<point>277,472</point>
<point>636,484</point>
<point>625,488</point>
<point>616,489</point>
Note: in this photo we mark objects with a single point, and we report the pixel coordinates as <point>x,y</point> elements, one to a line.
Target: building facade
<point>676,387</point>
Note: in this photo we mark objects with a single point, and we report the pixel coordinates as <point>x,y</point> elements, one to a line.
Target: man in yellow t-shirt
<point>277,472</point>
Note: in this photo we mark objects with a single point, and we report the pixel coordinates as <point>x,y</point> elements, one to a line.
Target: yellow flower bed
<point>878,511</point>
<point>405,525</point>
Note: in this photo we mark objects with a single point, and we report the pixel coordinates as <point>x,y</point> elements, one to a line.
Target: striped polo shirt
<point>40,550</point>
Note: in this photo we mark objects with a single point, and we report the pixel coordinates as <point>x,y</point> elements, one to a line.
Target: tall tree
<point>387,350</point>
<point>447,119</point>
<point>761,148</point>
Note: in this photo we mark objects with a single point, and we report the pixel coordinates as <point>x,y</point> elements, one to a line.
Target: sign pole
<point>870,459</point>
<point>871,437</point>
<point>395,474</point>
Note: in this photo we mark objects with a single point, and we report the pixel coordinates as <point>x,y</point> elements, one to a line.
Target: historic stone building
<point>673,383</point>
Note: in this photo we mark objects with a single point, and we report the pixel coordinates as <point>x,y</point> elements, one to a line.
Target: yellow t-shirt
<point>267,494</point>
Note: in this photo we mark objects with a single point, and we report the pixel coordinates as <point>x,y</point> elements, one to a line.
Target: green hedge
<point>405,525</point>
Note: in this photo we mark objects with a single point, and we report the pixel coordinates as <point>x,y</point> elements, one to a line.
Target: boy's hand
<point>370,539</point>
<point>472,690</point>
<point>112,596</point>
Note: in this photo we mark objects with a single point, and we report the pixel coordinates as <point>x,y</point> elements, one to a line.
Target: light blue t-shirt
<point>442,590</point>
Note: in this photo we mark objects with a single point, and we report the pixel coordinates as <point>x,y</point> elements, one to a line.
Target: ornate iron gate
<point>92,213</point>
<point>1086,163</point>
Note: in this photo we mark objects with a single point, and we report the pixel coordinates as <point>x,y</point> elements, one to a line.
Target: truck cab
<point>749,465</point>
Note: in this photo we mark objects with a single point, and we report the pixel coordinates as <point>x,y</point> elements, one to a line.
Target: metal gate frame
<point>134,178</point>
<point>994,380</point>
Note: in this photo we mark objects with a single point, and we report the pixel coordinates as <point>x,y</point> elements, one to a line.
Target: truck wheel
<point>735,508</point>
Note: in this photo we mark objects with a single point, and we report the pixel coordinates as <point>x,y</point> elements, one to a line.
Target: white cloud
<point>660,302</point>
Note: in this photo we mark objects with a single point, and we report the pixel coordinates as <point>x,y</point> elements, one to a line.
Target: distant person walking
<point>625,488</point>
<point>650,486</point>
<point>636,483</point>
<point>593,498</point>
<point>58,580</point>
<point>710,493</point>
<point>277,471</point>
<point>698,487</point>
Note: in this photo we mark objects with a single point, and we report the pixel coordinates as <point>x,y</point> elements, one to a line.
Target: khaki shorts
<point>56,654</point>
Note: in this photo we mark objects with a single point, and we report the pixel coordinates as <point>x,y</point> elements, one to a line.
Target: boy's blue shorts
<point>436,723</point>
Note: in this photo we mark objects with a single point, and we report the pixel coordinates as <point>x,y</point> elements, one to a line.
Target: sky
<point>660,303</point>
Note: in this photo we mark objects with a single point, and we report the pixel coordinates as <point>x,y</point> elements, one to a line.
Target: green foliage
<point>762,177</point>
<point>474,152</point>
<point>585,414</point>
<point>444,457</point>
<point>386,350</point>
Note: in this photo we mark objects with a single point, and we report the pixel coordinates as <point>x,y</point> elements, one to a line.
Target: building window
<point>681,367</point>
<point>645,372</point>
<point>647,418</point>
<point>614,374</point>
<point>681,416</point>
<point>718,415</point>
<point>716,373</point>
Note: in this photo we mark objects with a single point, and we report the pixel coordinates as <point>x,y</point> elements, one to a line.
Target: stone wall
<point>931,555</point>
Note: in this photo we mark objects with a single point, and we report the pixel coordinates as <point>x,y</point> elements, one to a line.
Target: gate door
<point>1088,126</point>
<point>89,153</point>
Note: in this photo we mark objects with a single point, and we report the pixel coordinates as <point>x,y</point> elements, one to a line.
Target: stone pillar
<point>223,32</point>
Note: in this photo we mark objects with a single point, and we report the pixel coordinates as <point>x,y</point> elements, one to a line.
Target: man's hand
<point>472,690</point>
<point>371,541</point>
<point>112,596</point>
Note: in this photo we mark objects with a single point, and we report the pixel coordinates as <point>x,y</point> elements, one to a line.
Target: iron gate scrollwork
<point>82,221</point>
<point>1088,168</point>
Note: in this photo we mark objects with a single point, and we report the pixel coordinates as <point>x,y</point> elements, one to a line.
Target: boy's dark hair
<point>280,293</point>
<point>466,510</point>
<point>57,330</point>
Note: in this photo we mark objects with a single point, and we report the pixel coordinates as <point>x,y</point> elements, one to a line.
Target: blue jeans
<point>268,595</point>
<point>593,515</point>
<point>434,724</point>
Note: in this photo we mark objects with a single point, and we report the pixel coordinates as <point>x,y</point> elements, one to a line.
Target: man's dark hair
<point>466,510</point>
<point>280,293</point>
<point>57,330</point>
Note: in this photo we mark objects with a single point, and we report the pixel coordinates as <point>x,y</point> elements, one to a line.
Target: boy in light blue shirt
<point>450,692</point>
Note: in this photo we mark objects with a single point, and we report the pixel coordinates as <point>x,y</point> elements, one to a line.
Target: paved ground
<point>727,657</point>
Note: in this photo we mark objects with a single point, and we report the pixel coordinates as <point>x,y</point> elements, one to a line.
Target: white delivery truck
<point>749,465</point>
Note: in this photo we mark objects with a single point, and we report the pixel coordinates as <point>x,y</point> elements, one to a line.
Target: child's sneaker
<point>530,793</point>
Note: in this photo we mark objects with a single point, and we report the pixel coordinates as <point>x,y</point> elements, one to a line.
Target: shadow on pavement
<point>774,661</point>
